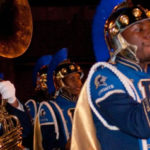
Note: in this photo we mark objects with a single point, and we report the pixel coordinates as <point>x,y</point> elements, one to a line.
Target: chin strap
<point>124,48</point>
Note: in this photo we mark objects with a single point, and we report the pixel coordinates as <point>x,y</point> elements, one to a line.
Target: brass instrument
<point>15,36</point>
<point>10,130</point>
<point>15,28</point>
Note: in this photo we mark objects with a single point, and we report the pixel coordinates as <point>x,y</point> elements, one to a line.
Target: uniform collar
<point>129,63</point>
<point>65,97</point>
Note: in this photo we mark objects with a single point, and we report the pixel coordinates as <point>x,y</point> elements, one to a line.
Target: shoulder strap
<point>32,107</point>
<point>47,116</point>
<point>62,118</point>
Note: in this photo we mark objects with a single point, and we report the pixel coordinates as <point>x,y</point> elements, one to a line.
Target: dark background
<point>56,24</point>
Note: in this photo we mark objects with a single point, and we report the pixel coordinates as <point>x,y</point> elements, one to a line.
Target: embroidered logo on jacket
<point>100,81</point>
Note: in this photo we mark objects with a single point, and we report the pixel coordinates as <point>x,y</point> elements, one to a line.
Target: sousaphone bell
<point>15,27</point>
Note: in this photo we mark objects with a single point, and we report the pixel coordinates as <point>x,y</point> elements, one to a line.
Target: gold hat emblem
<point>136,12</point>
<point>78,68</point>
<point>72,67</point>
<point>113,29</point>
<point>64,70</point>
<point>148,13</point>
<point>124,19</point>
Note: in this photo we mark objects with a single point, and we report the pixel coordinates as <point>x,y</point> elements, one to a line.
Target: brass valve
<point>10,130</point>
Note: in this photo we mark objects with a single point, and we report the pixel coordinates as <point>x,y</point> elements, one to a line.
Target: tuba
<point>15,36</point>
<point>10,130</point>
<point>15,28</point>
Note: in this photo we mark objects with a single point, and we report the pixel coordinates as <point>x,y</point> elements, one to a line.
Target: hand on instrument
<point>8,91</point>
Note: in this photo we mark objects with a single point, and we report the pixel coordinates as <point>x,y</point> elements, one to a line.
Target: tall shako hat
<point>122,17</point>
<point>65,68</point>
<point>40,68</point>
<point>103,11</point>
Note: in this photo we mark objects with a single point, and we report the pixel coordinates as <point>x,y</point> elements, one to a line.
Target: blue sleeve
<point>125,113</point>
<point>112,104</point>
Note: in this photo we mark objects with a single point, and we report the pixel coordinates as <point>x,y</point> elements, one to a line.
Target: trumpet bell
<point>16,27</point>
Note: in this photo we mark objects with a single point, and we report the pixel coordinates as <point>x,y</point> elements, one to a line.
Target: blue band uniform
<point>118,125</point>
<point>56,132</point>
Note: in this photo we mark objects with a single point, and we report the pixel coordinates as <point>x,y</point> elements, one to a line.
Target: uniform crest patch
<point>100,81</point>
<point>42,112</point>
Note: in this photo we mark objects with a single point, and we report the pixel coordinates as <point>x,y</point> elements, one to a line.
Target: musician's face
<point>139,35</point>
<point>73,83</point>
